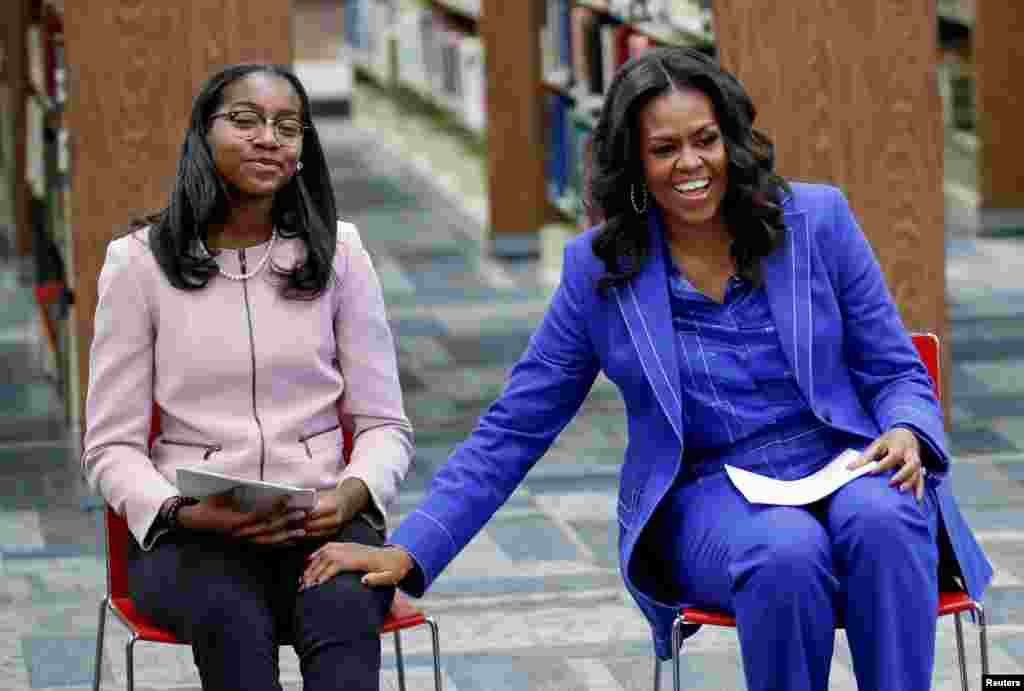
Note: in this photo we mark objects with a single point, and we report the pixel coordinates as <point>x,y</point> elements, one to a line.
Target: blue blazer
<point>840,330</point>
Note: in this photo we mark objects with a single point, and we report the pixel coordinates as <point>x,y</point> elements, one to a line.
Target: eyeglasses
<point>248,124</point>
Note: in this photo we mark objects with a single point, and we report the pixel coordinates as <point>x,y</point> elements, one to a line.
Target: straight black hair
<point>751,204</point>
<point>304,208</point>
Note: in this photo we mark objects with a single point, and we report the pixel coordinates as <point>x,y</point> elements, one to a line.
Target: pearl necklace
<point>259,265</point>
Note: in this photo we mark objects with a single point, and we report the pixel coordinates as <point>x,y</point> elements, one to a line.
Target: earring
<point>299,167</point>
<point>638,208</point>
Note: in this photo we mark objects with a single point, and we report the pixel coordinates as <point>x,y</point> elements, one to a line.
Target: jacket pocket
<point>207,449</point>
<point>324,439</point>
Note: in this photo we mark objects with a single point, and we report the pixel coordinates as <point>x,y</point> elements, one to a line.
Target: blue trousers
<point>867,556</point>
<point>237,603</point>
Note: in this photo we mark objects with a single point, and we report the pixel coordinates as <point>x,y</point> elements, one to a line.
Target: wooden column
<point>134,67</point>
<point>848,91</point>
<point>14,14</point>
<point>515,127</point>
<point>999,81</point>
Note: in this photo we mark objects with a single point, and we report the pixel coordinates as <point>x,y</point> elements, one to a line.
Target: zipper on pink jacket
<point>252,353</point>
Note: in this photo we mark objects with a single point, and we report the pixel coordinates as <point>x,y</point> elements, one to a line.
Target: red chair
<point>403,615</point>
<point>950,602</point>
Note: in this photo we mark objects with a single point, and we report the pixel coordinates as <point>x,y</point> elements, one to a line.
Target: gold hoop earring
<point>638,208</point>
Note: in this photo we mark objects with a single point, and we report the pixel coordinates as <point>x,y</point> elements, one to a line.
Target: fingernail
<point>296,515</point>
<point>298,533</point>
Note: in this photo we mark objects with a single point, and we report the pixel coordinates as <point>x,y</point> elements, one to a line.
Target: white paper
<point>758,489</point>
<point>251,495</point>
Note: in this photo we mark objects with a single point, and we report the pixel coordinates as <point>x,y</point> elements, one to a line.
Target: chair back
<point>927,345</point>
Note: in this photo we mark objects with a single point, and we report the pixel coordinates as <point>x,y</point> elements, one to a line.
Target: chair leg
<point>982,637</point>
<point>435,642</point>
<point>399,661</point>
<point>960,654</point>
<point>657,673</point>
<point>100,628</point>
<point>129,654</point>
<point>677,642</point>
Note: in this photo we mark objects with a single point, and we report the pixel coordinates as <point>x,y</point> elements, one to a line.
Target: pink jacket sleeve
<point>372,403</point>
<point>115,458</point>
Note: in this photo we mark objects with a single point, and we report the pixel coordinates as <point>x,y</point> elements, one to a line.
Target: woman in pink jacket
<point>256,325</point>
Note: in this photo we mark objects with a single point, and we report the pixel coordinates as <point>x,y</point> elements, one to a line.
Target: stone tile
<point>1014,645</point>
<point>489,347</point>
<point>1004,606</point>
<point>1005,377</point>
<point>974,439</point>
<point>579,506</point>
<point>497,673</point>
<point>419,353</point>
<point>593,674</point>
<point>602,537</point>
<point>991,518</point>
<point>30,399</point>
<point>983,485</point>
<point>66,661</point>
<point>20,529</point>
<point>532,537</point>
<point>1011,429</point>
<point>393,280</point>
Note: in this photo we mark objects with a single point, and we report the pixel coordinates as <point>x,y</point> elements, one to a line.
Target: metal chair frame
<point>403,615</point>
<point>954,602</point>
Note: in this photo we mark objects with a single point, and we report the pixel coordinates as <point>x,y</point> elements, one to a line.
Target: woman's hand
<point>219,514</point>
<point>383,565</point>
<point>336,507</point>
<point>898,448</point>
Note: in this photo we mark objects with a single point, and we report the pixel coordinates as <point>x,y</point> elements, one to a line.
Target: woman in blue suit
<point>745,321</point>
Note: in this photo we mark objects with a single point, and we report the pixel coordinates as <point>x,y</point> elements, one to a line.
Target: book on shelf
<point>423,47</point>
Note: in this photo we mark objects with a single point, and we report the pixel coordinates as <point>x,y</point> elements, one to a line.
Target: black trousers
<point>236,603</point>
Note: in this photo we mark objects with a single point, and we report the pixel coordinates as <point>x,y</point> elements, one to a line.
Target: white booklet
<point>251,495</point>
<point>758,489</point>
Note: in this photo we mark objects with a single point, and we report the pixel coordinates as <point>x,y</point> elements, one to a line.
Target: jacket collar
<point>644,303</point>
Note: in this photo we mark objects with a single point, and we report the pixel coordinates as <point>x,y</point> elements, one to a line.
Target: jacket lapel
<point>645,309</point>
<point>787,280</point>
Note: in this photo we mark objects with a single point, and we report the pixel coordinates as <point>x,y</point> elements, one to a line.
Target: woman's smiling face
<point>685,163</point>
<point>255,164</point>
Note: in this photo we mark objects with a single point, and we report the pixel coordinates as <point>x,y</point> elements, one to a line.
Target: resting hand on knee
<point>898,449</point>
<point>383,565</point>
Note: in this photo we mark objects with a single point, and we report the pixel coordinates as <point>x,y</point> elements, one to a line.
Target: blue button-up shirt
<point>741,401</point>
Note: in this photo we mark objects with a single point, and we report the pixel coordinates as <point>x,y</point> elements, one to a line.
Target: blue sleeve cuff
<point>931,455</point>
<point>429,544</point>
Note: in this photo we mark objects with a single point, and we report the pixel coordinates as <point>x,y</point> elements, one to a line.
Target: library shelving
<point>429,48</point>
<point>583,43</point>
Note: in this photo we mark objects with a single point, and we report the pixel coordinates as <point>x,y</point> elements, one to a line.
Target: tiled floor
<point>535,602</point>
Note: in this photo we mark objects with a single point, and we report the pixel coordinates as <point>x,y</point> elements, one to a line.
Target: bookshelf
<point>532,104</point>
<point>582,44</point>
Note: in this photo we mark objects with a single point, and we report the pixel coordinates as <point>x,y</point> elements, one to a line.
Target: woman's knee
<point>789,546</point>
<point>868,515</point>
<point>341,608</point>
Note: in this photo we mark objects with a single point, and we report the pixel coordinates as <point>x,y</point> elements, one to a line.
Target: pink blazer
<point>248,382</point>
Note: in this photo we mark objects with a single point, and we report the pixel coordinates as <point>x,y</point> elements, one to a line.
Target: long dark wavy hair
<point>304,208</point>
<point>751,204</point>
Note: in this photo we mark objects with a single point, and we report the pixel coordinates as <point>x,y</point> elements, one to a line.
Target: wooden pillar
<point>999,81</point>
<point>848,91</point>
<point>515,127</point>
<point>15,15</point>
<point>134,67</point>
